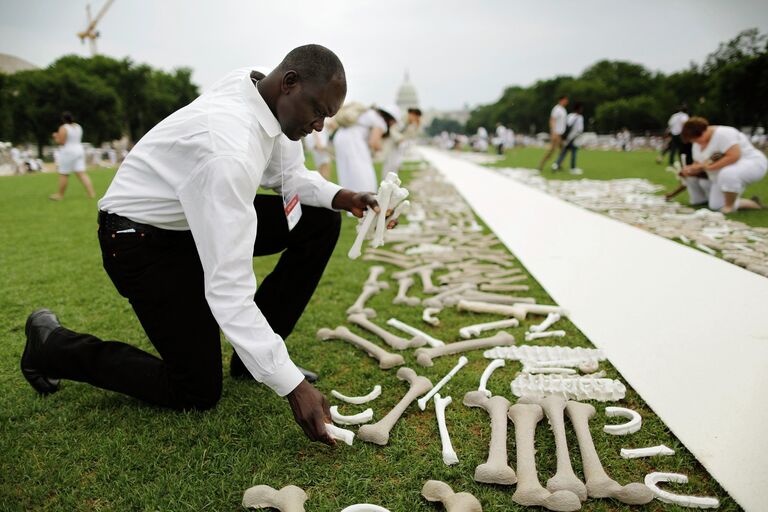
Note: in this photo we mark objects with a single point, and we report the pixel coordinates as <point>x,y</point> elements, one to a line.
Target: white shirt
<point>576,122</point>
<point>199,170</point>
<point>676,122</point>
<point>723,138</point>
<point>558,114</point>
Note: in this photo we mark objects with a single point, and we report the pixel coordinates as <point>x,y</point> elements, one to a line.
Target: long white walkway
<point>688,331</point>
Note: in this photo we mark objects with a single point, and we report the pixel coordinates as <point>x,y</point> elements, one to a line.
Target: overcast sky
<point>457,52</point>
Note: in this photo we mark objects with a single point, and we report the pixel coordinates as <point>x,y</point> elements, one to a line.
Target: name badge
<point>292,208</point>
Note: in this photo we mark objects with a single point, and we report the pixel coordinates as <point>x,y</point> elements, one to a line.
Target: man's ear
<point>290,82</point>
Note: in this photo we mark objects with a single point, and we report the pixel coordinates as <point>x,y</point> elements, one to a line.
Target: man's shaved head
<point>314,63</point>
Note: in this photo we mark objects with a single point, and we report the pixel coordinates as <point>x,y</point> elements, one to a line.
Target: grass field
<point>607,165</point>
<point>88,449</point>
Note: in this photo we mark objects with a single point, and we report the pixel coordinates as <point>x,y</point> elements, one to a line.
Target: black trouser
<point>160,273</point>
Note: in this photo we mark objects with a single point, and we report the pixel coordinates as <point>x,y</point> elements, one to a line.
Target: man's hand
<point>311,411</point>
<point>357,203</point>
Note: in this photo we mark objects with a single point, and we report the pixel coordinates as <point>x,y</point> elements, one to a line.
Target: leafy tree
<point>439,125</point>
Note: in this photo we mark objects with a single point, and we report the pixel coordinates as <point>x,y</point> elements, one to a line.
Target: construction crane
<point>90,31</point>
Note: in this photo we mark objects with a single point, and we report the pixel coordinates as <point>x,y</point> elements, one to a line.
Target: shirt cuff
<point>327,191</point>
<point>285,378</point>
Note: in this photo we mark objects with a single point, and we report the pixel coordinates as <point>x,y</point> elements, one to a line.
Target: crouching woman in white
<point>71,156</point>
<point>730,161</point>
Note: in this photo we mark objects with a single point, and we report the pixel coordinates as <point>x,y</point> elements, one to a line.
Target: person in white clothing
<point>730,161</point>
<point>71,156</point>
<point>556,128</point>
<point>318,143</point>
<point>179,227</point>
<point>355,145</point>
<point>574,127</point>
<point>676,144</point>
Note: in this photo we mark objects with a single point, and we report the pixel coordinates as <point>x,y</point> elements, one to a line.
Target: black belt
<point>111,222</point>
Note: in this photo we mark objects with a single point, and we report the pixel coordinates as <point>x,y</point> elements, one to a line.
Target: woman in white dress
<point>318,143</point>
<point>355,144</point>
<point>71,156</point>
<point>730,161</point>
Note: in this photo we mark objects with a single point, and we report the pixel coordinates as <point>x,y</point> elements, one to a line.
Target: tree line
<point>728,88</point>
<point>108,97</point>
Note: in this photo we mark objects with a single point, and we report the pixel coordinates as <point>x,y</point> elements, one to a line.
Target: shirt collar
<point>265,116</point>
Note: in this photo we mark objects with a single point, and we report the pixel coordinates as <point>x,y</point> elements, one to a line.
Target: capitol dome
<point>10,64</point>
<point>407,96</point>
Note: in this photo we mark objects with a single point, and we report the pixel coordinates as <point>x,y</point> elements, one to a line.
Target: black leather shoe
<point>39,326</point>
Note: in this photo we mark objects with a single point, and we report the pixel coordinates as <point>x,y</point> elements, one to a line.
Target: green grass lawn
<point>608,165</point>
<point>88,449</point>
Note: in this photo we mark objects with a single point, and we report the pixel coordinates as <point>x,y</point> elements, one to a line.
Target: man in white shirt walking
<point>178,232</point>
<point>574,128</point>
<point>556,129</point>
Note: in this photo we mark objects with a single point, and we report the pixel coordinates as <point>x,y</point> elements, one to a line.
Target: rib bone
<point>288,499</point>
<point>358,400</point>
<point>449,454</point>
<point>424,356</point>
<point>599,484</point>
<point>496,470</point>
<point>435,490</point>
<point>364,507</point>
<point>397,324</point>
<point>652,479</point>
<point>390,339</point>
<point>496,363</point>
<point>475,330</point>
<point>529,491</point>
<point>633,425</point>
<point>386,359</point>
<point>423,400</point>
<point>354,419</point>
<point>401,298</point>
<point>378,432</point>
<point>359,305</point>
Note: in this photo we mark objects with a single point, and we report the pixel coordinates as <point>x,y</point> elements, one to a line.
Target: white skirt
<point>71,159</point>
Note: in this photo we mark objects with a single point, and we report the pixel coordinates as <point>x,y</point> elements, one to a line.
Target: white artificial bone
<point>533,368</point>
<point>706,249</point>
<point>546,324</point>
<point>358,400</point>
<point>435,490</point>
<point>390,339</point>
<point>386,359</point>
<point>496,363</point>
<point>496,298</point>
<point>359,305</point>
<point>369,217</point>
<point>353,419</point>
<point>437,300</point>
<point>383,197</point>
<point>499,281</point>
<point>544,355</point>
<point>449,454</point>
<point>493,287</point>
<point>519,311</point>
<point>651,451</point>
<point>288,499</point>
<point>423,400</point>
<point>529,491</point>
<point>633,425</point>
<point>415,270</point>
<point>530,336</point>
<point>424,356</point>
<point>400,209</point>
<point>425,274</point>
<point>340,434</point>
<point>373,276</point>
<point>599,484</point>
<point>428,316</point>
<point>385,259</point>
<point>652,479</point>
<point>378,432</point>
<point>498,274</point>
<point>496,470</point>
<point>364,507</point>
<point>475,330</point>
<point>403,284</point>
<point>578,388</point>
<point>397,324</point>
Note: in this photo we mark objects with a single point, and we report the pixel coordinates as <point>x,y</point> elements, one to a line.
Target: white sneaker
<point>555,167</point>
<point>576,171</point>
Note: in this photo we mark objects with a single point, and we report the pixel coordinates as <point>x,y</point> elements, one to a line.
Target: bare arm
<point>374,139</point>
<point>60,137</point>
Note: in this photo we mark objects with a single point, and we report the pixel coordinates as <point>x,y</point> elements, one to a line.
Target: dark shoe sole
<point>42,384</point>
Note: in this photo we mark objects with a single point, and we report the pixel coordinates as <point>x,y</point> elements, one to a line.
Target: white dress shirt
<point>199,170</point>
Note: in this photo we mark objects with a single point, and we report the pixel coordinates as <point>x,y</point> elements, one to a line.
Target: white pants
<point>731,178</point>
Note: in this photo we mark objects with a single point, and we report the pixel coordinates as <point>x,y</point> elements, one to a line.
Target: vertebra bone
<point>288,499</point>
<point>496,470</point>
<point>390,339</point>
<point>633,425</point>
<point>538,355</point>
<point>423,400</point>
<point>449,454</point>
<point>599,484</point>
<point>578,388</point>
<point>378,432</point>
<point>386,359</point>
<point>424,356</point>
